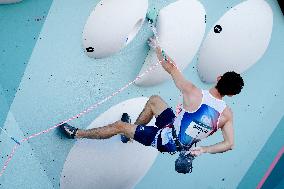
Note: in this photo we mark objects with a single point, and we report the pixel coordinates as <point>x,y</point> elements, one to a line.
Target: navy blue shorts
<point>146,134</point>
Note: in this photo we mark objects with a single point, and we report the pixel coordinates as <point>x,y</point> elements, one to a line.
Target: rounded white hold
<point>9,1</point>
<point>237,41</point>
<point>109,163</point>
<point>180,29</point>
<point>112,25</point>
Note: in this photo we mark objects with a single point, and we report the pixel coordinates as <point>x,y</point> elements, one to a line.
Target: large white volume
<point>180,28</point>
<point>108,164</point>
<point>112,25</point>
<point>237,41</point>
<point>9,1</point>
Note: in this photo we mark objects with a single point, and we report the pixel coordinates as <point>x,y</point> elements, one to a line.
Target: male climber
<point>202,114</point>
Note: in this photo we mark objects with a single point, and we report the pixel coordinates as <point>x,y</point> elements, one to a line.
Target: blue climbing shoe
<point>125,118</point>
<point>68,130</point>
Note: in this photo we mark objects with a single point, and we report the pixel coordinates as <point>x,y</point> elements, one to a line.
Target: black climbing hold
<point>281,5</point>
<point>90,49</point>
<point>217,29</point>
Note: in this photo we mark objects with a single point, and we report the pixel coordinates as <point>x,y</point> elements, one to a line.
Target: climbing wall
<point>45,78</point>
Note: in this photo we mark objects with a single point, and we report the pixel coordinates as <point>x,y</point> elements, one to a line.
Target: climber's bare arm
<point>185,86</point>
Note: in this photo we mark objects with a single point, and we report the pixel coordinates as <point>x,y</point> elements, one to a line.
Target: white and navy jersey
<point>201,123</point>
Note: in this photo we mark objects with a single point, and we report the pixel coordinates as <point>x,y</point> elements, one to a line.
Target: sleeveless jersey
<point>197,125</point>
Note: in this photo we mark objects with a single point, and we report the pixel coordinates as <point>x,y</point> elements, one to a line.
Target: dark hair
<point>231,83</point>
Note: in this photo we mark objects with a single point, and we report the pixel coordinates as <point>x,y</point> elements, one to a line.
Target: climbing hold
<point>237,41</point>
<point>111,27</point>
